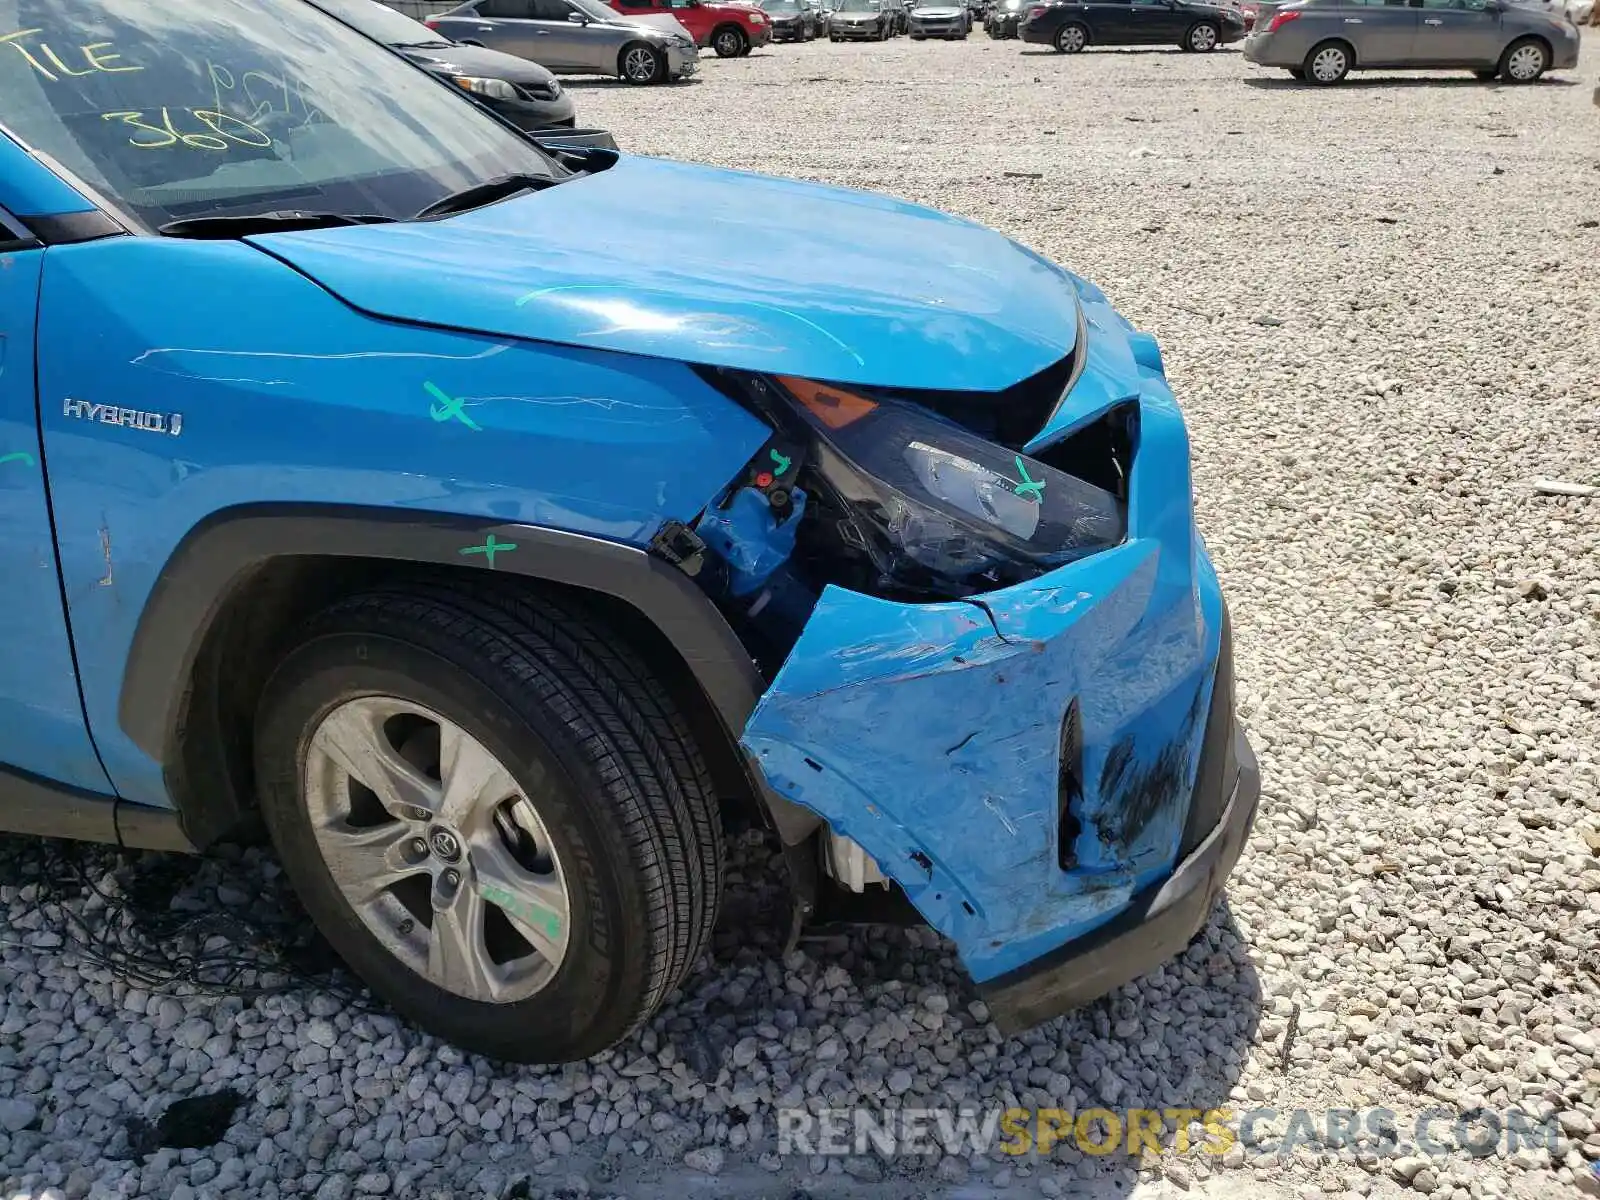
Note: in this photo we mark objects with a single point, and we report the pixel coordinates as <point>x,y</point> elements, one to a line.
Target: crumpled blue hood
<point>717,267</point>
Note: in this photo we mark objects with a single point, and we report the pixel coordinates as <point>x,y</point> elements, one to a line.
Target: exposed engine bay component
<point>849,865</point>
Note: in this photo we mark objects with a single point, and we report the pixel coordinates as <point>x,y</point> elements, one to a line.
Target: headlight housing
<point>916,506</point>
<point>497,89</point>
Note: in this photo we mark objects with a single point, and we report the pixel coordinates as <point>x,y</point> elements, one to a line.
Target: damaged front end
<point>998,657</point>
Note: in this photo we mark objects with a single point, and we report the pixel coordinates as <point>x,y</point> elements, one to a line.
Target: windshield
<point>382,24</point>
<point>858,6</point>
<point>781,6</point>
<point>193,108</point>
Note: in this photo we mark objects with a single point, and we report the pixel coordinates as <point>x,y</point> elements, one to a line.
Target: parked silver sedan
<point>1322,41</point>
<point>573,37</point>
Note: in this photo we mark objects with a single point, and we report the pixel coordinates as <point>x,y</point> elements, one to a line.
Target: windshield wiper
<point>436,44</point>
<point>501,187</point>
<point>290,221</point>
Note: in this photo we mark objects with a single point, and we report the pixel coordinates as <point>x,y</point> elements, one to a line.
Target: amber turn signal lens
<point>832,406</point>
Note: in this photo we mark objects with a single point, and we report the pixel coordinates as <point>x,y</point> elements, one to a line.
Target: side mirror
<point>577,18</point>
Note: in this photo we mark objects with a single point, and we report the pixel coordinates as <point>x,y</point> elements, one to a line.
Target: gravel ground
<point>1381,308</point>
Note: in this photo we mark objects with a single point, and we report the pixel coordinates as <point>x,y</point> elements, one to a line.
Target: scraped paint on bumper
<point>1026,763</point>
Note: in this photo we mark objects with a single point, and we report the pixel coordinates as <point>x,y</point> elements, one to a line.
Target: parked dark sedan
<point>1070,25</point>
<point>523,92</point>
<point>791,21</point>
<point>1001,20</point>
<point>1322,41</point>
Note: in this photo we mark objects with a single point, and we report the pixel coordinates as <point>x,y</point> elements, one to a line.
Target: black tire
<point>630,58</point>
<point>729,41</point>
<point>1510,69</point>
<point>1202,38</point>
<point>621,787</point>
<point>1327,63</point>
<point>1066,42</point>
<point>1299,73</point>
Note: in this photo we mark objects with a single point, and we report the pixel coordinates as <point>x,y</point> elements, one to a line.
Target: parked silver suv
<point>573,37</point>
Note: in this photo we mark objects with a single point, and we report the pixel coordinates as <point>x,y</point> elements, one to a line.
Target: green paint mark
<point>526,910</point>
<point>781,461</point>
<point>489,549</point>
<point>447,407</point>
<point>1029,486</point>
<point>18,456</point>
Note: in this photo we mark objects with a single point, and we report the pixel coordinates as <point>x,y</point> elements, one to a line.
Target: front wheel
<point>1071,38</point>
<point>1328,63</point>
<point>729,42</point>
<point>641,64</point>
<point>1525,61</point>
<point>493,812</point>
<point>1202,37</point>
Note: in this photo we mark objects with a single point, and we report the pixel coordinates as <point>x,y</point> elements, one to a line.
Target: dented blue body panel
<point>952,773</point>
<point>852,287</point>
<point>330,407</point>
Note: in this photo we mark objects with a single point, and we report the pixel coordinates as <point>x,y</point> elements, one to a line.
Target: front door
<point>1382,31</point>
<point>692,17</point>
<point>577,38</point>
<point>1112,22</point>
<point>1456,33</point>
<point>1156,23</point>
<point>42,729</point>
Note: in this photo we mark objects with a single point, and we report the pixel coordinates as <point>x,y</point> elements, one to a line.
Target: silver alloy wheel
<point>1202,38</point>
<point>1070,39</point>
<point>1328,65</point>
<point>1526,62</point>
<point>436,849</point>
<point>727,43</point>
<point>640,64</point>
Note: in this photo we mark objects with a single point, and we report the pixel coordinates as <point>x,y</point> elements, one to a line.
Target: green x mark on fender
<point>447,407</point>
<point>1029,486</point>
<point>489,549</point>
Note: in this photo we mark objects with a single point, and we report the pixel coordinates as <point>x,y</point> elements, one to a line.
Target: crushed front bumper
<point>1160,921</point>
<point>1031,765</point>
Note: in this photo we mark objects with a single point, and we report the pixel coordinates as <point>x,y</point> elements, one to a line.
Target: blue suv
<point>371,472</point>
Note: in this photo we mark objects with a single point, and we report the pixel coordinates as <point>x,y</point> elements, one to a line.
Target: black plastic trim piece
<point>65,229</point>
<point>14,235</point>
<point>38,807</point>
<point>1217,764</point>
<point>222,551</point>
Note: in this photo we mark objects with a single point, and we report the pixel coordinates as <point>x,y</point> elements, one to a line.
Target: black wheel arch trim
<point>219,555</point>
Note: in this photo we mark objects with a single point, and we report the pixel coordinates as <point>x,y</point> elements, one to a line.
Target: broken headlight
<point>930,507</point>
